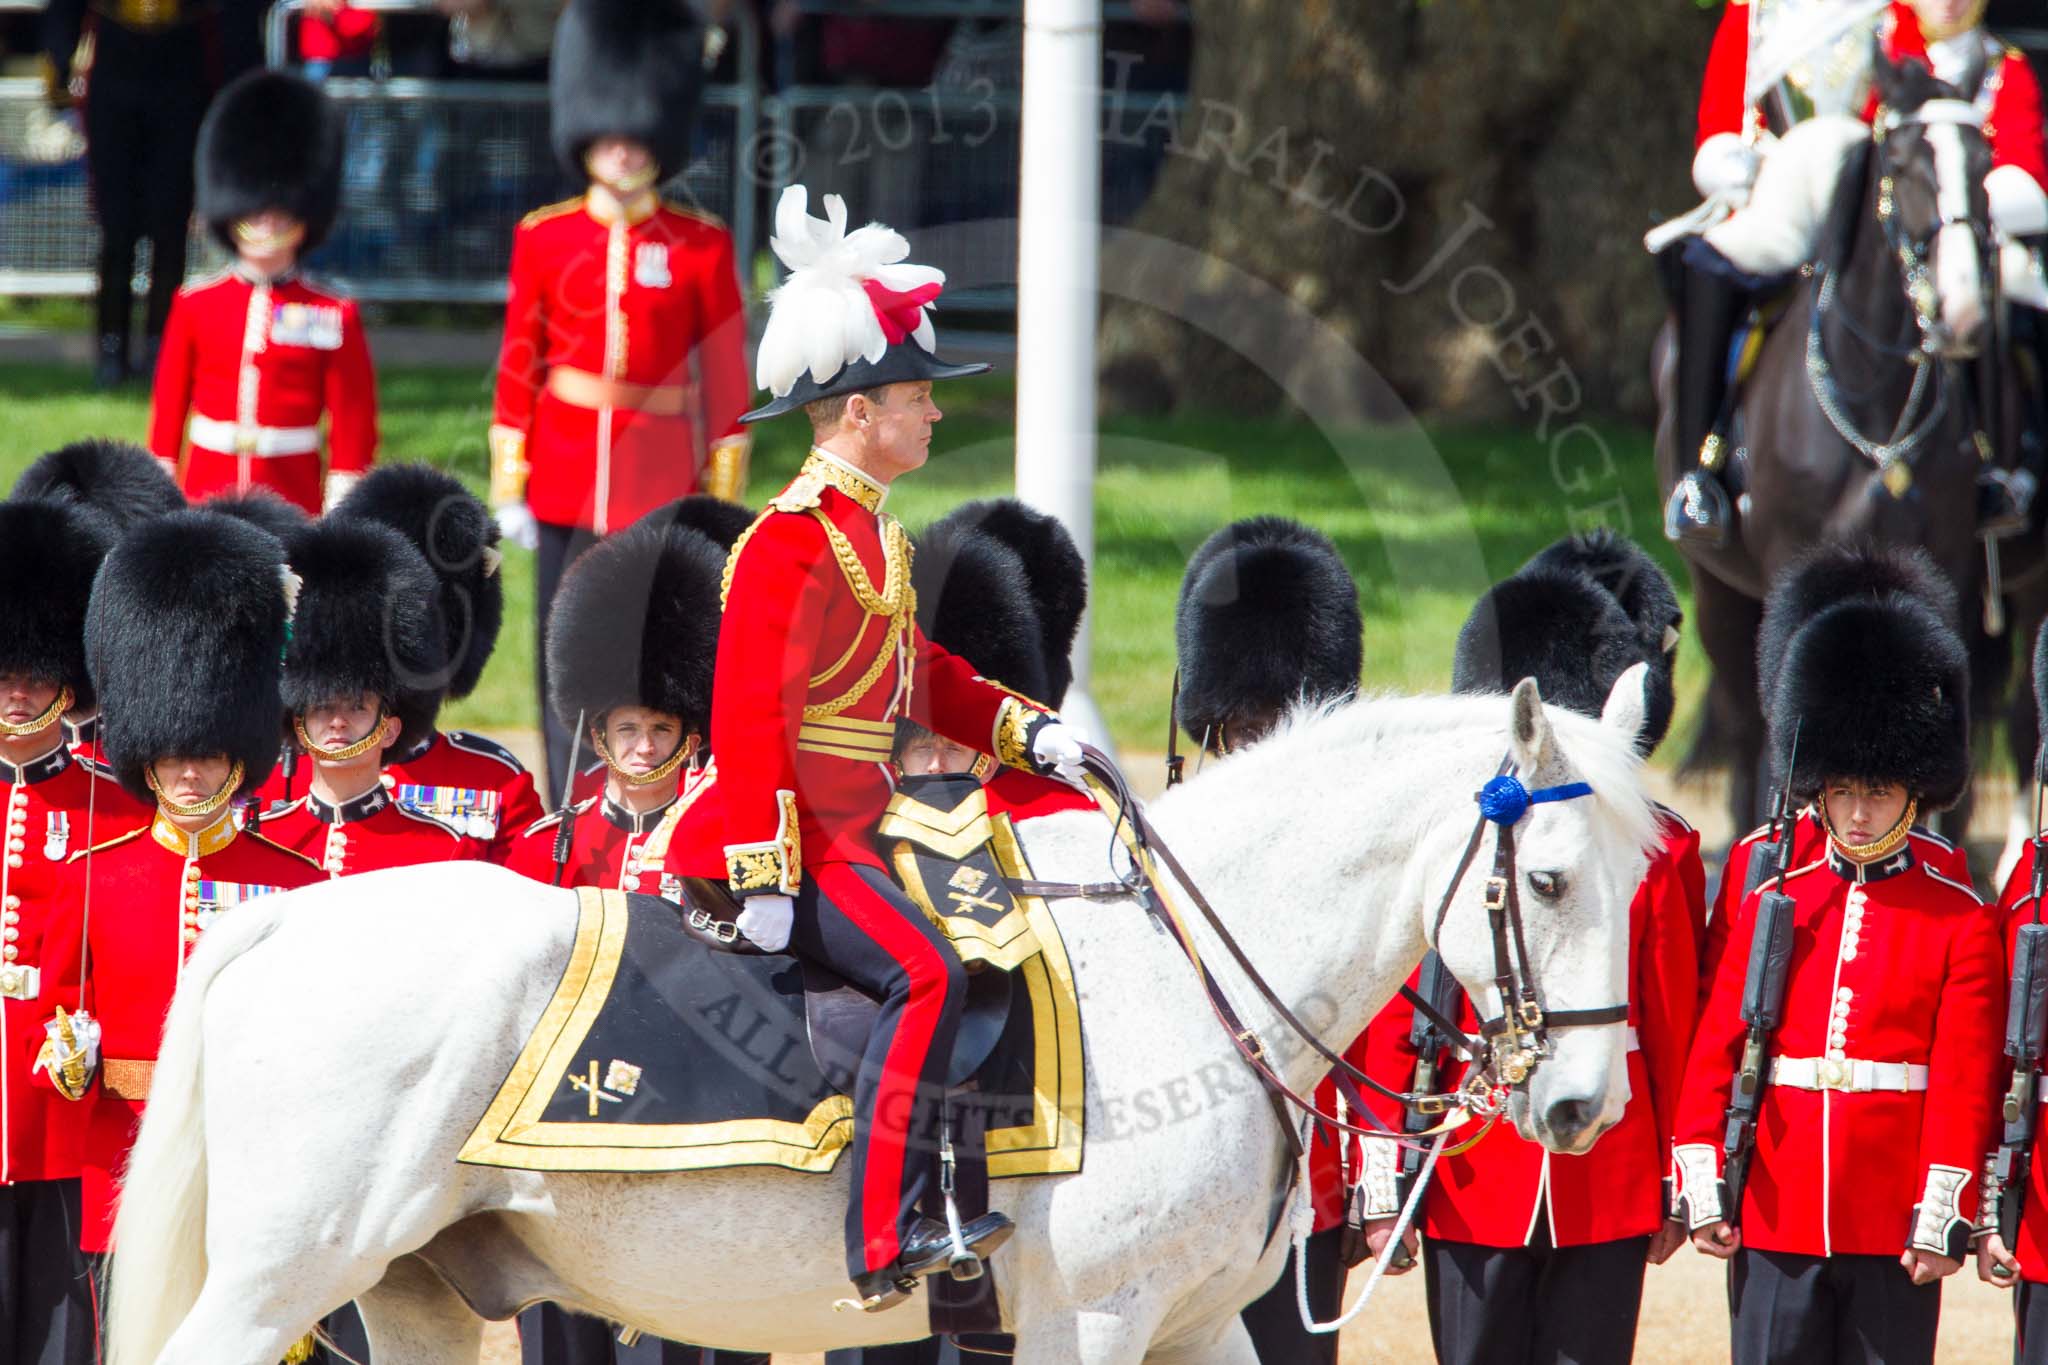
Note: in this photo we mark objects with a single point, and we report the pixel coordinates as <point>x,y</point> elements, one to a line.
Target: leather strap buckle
<point>1496,893</point>
<point>1532,1015</point>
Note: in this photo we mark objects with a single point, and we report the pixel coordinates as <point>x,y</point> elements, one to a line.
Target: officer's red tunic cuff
<point>772,866</point>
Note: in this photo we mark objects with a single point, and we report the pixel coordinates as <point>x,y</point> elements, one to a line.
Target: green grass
<point>1425,517</point>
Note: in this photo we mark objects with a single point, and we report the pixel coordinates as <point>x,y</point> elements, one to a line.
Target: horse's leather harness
<point>1508,1048</point>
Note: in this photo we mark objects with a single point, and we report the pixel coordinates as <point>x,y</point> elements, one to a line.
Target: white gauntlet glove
<point>1725,165</point>
<point>1058,748</point>
<point>766,921</point>
<point>518,525</point>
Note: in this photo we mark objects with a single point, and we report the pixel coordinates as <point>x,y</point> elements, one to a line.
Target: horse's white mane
<point>1314,735</point>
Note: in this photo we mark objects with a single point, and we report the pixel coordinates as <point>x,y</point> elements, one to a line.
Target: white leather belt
<point>232,438</point>
<point>20,983</point>
<point>1822,1073</point>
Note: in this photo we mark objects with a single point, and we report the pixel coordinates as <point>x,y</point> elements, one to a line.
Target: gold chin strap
<point>1884,844</point>
<point>347,751</point>
<point>662,774</point>
<point>206,807</point>
<point>247,234</point>
<point>51,715</point>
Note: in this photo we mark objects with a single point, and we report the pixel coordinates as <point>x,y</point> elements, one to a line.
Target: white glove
<point>338,486</point>
<point>766,921</point>
<point>518,525</point>
<point>2018,206</point>
<point>1724,165</point>
<point>1057,747</point>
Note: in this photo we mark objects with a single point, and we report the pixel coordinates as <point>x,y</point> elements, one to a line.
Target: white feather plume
<point>820,319</point>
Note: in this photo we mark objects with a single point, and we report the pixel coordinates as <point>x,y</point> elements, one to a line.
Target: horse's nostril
<point>1569,1118</point>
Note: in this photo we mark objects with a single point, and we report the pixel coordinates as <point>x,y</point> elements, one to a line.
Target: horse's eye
<point>1548,885</point>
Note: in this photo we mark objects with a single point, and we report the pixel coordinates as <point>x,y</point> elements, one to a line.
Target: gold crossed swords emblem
<point>622,1077</point>
<point>967,893</point>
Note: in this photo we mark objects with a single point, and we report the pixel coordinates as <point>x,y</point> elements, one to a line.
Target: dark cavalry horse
<point>1859,422</point>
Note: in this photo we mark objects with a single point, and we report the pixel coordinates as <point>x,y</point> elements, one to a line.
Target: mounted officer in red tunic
<point>819,654</point>
<point>1867,1026</point>
<point>187,626</point>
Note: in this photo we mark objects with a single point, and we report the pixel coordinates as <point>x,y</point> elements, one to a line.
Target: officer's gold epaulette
<point>106,844</point>
<point>805,491</point>
<point>547,211</point>
<point>292,853</point>
<point>685,211</point>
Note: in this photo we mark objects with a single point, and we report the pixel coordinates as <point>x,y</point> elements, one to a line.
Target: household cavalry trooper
<point>818,656</point>
<point>1858,1188</point>
<point>55,805</point>
<point>254,357</point>
<point>121,483</point>
<point>633,638</point>
<point>1267,620</point>
<point>623,373</point>
<point>362,676</point>
<point>185,632</point>
<point>462,779</point>
<point>1527,1255</point>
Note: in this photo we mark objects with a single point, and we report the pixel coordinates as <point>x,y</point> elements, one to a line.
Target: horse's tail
<point>159,1260</point>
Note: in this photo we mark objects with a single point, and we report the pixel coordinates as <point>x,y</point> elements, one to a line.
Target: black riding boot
<point>1698,510</point>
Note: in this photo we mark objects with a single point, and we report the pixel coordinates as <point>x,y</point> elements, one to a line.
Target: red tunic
<point>1903,966</point>
<point>470,782</point>
<point>645,314</point>
<point>2017,908</point>
<point>1504,1189</point>
<point>55,807</point>
<point>154,892</point>
<point>612,847</point>
<point>367,834</point>
<point>255,366</point>
<point>818,620</point>
<point>1809,842</point>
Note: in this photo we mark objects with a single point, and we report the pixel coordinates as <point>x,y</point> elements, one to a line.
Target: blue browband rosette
<point>1504,800</point>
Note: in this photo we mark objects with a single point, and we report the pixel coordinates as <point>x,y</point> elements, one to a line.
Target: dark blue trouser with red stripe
<point>857,922</point>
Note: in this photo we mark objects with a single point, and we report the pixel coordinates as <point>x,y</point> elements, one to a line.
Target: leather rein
<point>1507,1049</point>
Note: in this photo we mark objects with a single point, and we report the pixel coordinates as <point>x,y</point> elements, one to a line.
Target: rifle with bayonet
<point>2026,1019</point>
<point>1763,1002</point>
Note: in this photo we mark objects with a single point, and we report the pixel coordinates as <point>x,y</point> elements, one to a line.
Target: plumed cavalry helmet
<point>120,481</point>
<point>49,552</point>
<point>1576,617</point>
<point>272,140</point>
<point>1003,586</point>
<point>635,622</point>
<point>850,316</point>
<point>1859,657</point>
<point>626,68</point>
<point>368,621</point>
<point>184,638</point>
<point>454,530</point>
<point>1268,616</point>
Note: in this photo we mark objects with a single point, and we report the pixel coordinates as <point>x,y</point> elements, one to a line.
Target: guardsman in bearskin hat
<point>463,779</point>
<point>362,677</point>
<point>623,373</point>
<point>188,623</point>
<point>121,484</point>
<point>1268,619</point>
<point>1876,1085</point>
<point>634,639</point>
<point>56,805</point>
<point>256,356</point>
<point>1529,1255</point>
<point>819,655</point>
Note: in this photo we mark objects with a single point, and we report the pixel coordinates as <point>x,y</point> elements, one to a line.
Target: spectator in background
<point>143,98</point>
<point>336,39</point>
<point>500,40</point>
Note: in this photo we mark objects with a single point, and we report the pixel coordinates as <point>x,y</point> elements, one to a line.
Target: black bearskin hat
<point>973,600</point>
<point>262,508</point>
<point>723,521</point>
<point>122,482</point>
<point>1576,617</point>
<point>626,68</point>
<point>1829,573</point>
<point>49,552</point>
<point>1268,615</point>
<point>369,620</point>
<point>1871,677</point>
<point>272,140</point>
<point>1054,576</point>
<point>635,623</point>
<point>184,637</point>
<point>450,526</point>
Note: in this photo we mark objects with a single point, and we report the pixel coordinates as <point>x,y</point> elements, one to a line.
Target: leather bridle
<point>1502,1057</point>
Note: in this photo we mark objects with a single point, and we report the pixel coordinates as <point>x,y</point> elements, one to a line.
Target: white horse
<point>329,1051</point>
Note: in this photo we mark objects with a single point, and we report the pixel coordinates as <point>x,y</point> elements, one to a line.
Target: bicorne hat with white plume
<point>851,316</point>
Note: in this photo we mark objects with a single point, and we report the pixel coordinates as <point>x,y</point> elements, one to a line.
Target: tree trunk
<point>1455,191</point>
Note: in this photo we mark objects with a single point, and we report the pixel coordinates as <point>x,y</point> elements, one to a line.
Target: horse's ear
<point>1884,72</point>
<point>1628,701</point>
<point>1528,727</point>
